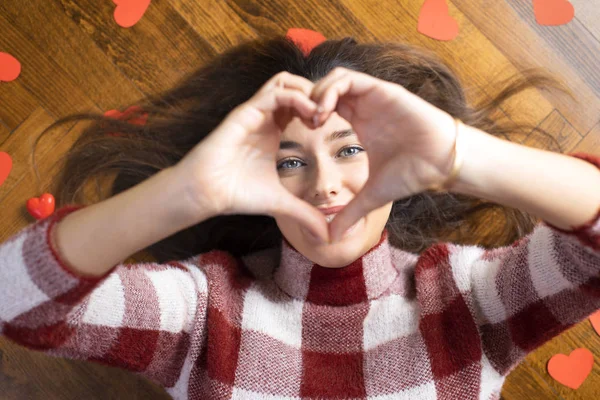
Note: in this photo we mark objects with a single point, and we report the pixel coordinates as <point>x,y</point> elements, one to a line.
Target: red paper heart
<point>571,370</point>
<point>116,114</point>
<point>595,320</point>
<point>435,22</point>
<point>10,67</point>
<point>5,166</point>
<point>553,12</point>
<point>129,12</point>
<point>41,207</point>
<point>305,39</point>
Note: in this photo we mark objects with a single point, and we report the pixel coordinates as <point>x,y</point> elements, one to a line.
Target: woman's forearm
<point>562,190</point>
<point>94,239</point>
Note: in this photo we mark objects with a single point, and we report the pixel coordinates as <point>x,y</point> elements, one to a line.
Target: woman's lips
<point>329,218</point>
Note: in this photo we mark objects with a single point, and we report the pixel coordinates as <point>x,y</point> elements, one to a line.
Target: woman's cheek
<point>358,174</point>
<point>292,183</point>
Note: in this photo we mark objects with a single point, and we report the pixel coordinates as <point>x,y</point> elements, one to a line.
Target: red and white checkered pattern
<point>448,324</point>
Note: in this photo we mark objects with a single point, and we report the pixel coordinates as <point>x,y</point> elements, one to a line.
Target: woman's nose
<point>326,181</point>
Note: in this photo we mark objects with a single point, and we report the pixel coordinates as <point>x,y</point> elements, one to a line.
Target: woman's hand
<point>409,142</point>
<point>233,170</point>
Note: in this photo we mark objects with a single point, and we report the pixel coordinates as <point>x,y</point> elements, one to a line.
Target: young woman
<point>230,185</point>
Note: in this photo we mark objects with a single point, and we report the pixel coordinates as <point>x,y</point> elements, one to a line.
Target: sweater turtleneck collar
<point>364,279</point>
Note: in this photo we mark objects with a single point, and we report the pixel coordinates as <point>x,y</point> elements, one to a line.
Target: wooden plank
<point>524,382</point>
<point>4,133</point>
<point>581,335</point>
<point>65,43</point>
<point>511,26</point>
<point>216,22</point>
<point>20,144</point>
<point>588,13</point>
<point>29,374</point>
<point>155,53</point>
<point>330,18</point>
<point>16,103</point>
<point>52,88</point>
<point>590,142</point>
<point>560,129</point>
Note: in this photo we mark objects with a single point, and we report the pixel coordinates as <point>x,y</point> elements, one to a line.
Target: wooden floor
<point>75,58</point>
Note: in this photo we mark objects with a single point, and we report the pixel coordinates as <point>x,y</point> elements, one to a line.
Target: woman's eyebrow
<point>336,135</point>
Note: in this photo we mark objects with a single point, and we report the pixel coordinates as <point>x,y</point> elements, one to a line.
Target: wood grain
<point>154,54</point>
<point>41,75</point>
<point>79,56</point>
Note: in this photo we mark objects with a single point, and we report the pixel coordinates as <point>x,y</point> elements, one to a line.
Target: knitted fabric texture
<point>449,323</point>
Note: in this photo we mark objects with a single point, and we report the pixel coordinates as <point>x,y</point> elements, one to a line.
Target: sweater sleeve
<point>513,299</point>
<point>139,317</point>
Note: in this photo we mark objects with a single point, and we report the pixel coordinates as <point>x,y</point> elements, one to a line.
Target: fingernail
<point>315,120</point>
<point>320,109</point>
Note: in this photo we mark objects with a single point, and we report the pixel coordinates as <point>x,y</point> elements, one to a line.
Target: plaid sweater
<point>450,323</point>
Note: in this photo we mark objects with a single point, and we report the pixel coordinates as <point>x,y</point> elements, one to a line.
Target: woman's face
<point>327,173</point>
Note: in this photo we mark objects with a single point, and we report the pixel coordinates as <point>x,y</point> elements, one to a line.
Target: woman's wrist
<point>96,238</point>
<point>563,191</point>
<point>193,202</point>
<point>478,148</point>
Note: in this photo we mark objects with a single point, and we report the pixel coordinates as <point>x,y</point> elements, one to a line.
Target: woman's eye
<point>280,166</point>
<point>358,148</point>
<point>353,147</point>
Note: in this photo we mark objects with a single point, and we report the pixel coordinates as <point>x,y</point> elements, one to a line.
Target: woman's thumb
<point>306,215</point>
<point>358,207</point>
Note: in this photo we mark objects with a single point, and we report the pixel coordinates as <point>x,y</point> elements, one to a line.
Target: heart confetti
<point>573,369</point>
<point>129,12</point>
<point>435,22</point>
<point>116,114</point>
<point>305,39</point>
<point>594,319</point>
<point>5,166</point>
<point>10,67</point>
<point>41,207</point>
<point>553,12</point>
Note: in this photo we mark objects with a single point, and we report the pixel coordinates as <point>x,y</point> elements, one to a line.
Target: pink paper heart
<point>5,166</point>
<point>435,22</point>
<point>553,12</point>
<point>129,12</point>
<point>571,370</point>
<point>10,67</point>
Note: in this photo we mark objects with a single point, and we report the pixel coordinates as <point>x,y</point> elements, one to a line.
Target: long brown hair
<point>179,118</point>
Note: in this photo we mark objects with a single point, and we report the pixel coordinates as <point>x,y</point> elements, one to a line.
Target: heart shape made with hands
<point>435,22</point>
<point>553,12</point>
<point>41,207</point>
<point>571,370</point>
<point>10,67</point>
<point>129,12</point>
